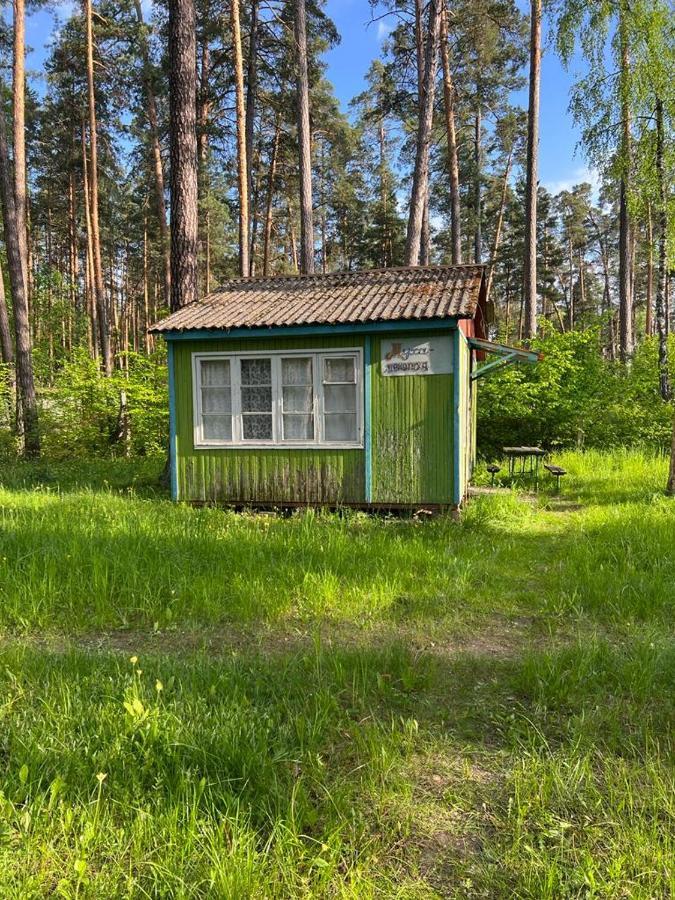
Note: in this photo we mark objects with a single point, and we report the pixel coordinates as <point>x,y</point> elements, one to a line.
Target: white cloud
<point>581,175</point>
<point>384,29</point>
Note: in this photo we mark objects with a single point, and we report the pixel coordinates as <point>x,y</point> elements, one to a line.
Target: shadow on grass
<point>314,744</point>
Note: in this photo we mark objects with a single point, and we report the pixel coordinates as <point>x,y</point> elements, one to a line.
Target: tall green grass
<point>387,708</point>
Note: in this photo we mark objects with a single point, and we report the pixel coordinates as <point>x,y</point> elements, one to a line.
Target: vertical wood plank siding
<point>258,475</point>
<point>466,413</point>
<point>412,434</point>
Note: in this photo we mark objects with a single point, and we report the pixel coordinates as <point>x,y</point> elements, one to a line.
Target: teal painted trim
<point>368,417</point>
<point>495,364</point>
<point>173,449</point>
<point>199,334</point>
<point>457,427</point>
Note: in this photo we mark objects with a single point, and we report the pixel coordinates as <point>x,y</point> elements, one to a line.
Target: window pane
<point>339,369</point>
<point>215,372</point>
<point>296,370</point>
<point>340,427</point>
<point>297,399</point>
<point>298,428</point>
<point>217,428</point>
<point>339,397</point>
<point>256,371</point>
<point>257,427</point>
<point>256,399</point>
<point>216,400</point>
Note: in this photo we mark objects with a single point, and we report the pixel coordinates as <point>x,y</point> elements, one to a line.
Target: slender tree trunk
<point>91,289</point>
<point>242,164</point>
<point>267,235</point>
<point>203,174</point>
<point>670,488</point>
<point>183,142</point>
<point>251,94</point>
<point>158,168</point>
<point>305,142</point>
<point>478,166</point>
<point>101,310</point>
<point>19,119</point>
<point>26,395</point>
<point>498,230</point>
<point>419,194</point>
<point>625,277</point>
<point>570,305</point>
<point>451,133</point>
<point>661,313</point>
<point>6,347</point>
<point>532,177</point>
<point>649,313</point>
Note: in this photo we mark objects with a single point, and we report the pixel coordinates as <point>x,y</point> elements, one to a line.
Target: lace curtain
<point>216,400</point>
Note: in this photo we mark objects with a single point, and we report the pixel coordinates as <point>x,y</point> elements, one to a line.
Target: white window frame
<point>317,356</point>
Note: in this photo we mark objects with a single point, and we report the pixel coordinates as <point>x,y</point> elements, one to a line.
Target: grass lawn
<point>195,703</point>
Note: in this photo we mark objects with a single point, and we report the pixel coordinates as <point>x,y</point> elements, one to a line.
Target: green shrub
<point>575,397</point>
<point>81,410</point>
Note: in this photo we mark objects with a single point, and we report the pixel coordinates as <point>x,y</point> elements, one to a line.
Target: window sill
<point>270,445</point>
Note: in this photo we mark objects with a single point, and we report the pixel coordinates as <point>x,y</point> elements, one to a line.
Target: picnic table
<point>528,457</point>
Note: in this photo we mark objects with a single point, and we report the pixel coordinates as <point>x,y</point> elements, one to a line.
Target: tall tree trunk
<point>670,488</point>
<point>478,166</point>
<point>90,288</point>
<point>451,133</point>
<point>661,313</point>
<point>242,164</point>
<point>419,194</point>
<point>158,168</point>
<point>532,177</point>
<point>26,395</point>
<point>271,175</point>
<point>304,142</point>
<point>498,230</point>
<point>99,290</point>
<point>625,276</point>
<point>649,312</point>
<point>73,257</point>
<point>203,174</point>
<point>183,144</point>
<point>251,94</point>
<point>19,120</point>
<point>6,348</point>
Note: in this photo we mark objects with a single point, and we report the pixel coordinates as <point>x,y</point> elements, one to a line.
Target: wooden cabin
<point>348,389</point>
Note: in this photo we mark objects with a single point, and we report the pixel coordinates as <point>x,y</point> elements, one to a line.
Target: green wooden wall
<point>259,475</point>
<point>412,423</point>
<point>412,434</point>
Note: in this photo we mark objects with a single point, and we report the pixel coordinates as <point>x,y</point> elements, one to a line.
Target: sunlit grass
<point>387,708</point>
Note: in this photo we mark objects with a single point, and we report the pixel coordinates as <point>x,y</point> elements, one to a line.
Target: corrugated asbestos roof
<point>376,295</point>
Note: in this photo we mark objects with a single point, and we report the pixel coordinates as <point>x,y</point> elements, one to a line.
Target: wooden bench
<point>557,472</point>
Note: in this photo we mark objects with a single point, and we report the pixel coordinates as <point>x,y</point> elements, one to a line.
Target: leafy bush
<point>82,416</point>
<point>575,397</point>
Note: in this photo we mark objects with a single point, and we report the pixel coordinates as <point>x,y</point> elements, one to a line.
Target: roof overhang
<point>281,331</point>
<point>506,354</point>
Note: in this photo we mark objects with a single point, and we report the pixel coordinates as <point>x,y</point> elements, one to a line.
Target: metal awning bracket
<point>507,355</point>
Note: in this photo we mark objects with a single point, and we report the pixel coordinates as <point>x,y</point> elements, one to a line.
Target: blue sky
<point>561,164</point>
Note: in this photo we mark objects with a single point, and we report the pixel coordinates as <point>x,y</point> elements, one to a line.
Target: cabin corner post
<point>367,418</point>
<point>173,456</point>
<point>456,419</point>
